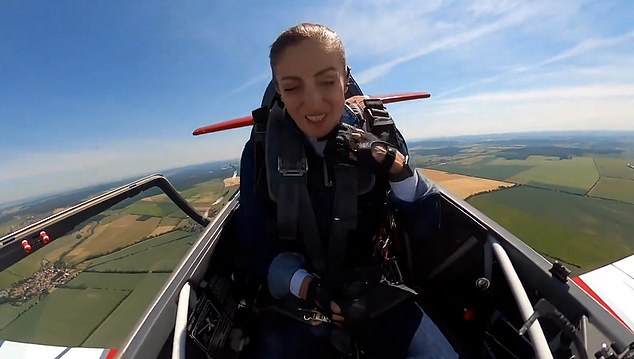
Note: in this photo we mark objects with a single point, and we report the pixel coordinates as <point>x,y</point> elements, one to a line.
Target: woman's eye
<point>289,89</point>
<point>328,83</point>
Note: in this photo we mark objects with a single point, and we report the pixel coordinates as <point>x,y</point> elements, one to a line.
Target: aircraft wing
<point>613,287</point>
<point>10,349</point>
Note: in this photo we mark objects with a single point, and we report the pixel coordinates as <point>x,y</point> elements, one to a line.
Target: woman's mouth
<point>315,118</point>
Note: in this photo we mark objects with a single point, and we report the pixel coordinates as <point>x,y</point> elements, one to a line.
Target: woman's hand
<point>319,299</point>
<point>372,152</point>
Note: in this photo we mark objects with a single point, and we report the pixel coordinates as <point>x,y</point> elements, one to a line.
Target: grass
<point>155,209</point>
<point>140,247</point>
<point>111,281</point>
<point>576,175</point>
<point>124,231</point>
<point>113,331</point>
<point>9,313</point>
<point>170,221</point>
<point>61,318</point>
<point>614,188</point>
<point>615,167</point>
<point>161,258</point>
<point>497,172</point>
<point>7,278</point>
<point>587,232</point>
<point>10,226</point>
<point>215,185</point>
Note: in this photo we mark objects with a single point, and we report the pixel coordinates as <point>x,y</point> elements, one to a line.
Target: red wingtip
<point>248,120</point>
<point>403,97</point>
<point>226,125</point>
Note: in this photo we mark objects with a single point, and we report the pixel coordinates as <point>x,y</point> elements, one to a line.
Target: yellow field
<point>231,181</point>
<point>463,186</point>
<point>121,232</point>
<point>155,198</point>
<point>160,230</point>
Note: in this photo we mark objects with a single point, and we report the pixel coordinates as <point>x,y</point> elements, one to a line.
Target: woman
<point>310,76</point>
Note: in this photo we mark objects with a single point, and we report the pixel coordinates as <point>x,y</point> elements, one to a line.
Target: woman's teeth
<point>316,118</point>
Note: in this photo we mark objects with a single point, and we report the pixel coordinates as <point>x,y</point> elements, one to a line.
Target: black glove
<point>354,145</point>
<point>319,294</point>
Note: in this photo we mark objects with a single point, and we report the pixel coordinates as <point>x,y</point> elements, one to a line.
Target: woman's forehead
<point>307,59</point>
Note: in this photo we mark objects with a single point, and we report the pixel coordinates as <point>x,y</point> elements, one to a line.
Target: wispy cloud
<point>584,47</point>
<point>256,80</point>
<point>544,95</point>
<point>508,20</point>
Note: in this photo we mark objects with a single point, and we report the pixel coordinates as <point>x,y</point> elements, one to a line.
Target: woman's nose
<point>312,98</point>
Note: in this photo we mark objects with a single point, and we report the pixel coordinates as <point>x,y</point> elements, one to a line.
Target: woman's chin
<point>318,131</point>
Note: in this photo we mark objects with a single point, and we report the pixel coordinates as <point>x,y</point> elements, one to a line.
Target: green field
<point>170,221</point>
<point>154,209</point>
<point>485,167</point>
<point>213,186</point>
<point>7,278</point>
<point>120,233</point>
<point>118,281</point>
<point>161,258</point>
<point>9,313</point>
<point>140,247</point>
<point>48,321</point>
<point>8,227</point>
<point>575,175</point>
<point>582,231</point>
<point>614,188</point>
<point>615,167</point>
<point>113,331</point>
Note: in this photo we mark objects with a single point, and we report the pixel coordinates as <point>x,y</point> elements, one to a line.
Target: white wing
<point>613,287</point>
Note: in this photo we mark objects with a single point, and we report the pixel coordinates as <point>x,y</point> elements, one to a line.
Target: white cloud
<point>544,95</point>
<point>451,41</point>
<point>588,46</point>
<point>492,7</point>
<point>591,107</point>
<point>256,80</point>
<point>582,48</point>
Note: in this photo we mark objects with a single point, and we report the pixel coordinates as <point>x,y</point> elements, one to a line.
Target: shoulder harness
<point>282,167</point>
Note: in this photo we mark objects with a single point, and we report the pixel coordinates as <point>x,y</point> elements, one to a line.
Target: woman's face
<point>311,80</point>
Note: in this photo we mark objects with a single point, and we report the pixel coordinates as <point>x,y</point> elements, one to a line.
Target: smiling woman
<point>329,143</point>
<point>309,67</point>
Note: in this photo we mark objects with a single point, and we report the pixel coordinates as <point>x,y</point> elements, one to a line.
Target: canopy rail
<point>19,244</point>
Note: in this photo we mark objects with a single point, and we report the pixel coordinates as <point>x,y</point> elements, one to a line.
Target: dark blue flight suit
<point>280,337</point>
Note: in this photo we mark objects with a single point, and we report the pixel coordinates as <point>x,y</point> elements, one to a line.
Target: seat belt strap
<point>344,215</point>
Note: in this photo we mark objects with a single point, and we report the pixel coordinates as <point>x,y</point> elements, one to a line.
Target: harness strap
<point>344,215</point>
<point>310,232</point>
<point>287,169</point>
<point>258,133</point>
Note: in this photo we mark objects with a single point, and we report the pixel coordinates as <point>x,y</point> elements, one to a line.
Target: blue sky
<point>98,90</point>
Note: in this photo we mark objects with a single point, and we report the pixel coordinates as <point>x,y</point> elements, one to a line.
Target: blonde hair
<point>304,31</point>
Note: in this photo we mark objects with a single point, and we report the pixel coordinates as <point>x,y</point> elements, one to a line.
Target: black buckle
<point>296,169</point>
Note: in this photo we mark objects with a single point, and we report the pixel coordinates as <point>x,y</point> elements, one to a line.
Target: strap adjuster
<point>297,169</point>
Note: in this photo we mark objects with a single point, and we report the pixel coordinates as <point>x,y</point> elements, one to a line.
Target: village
<point>42,281</point>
